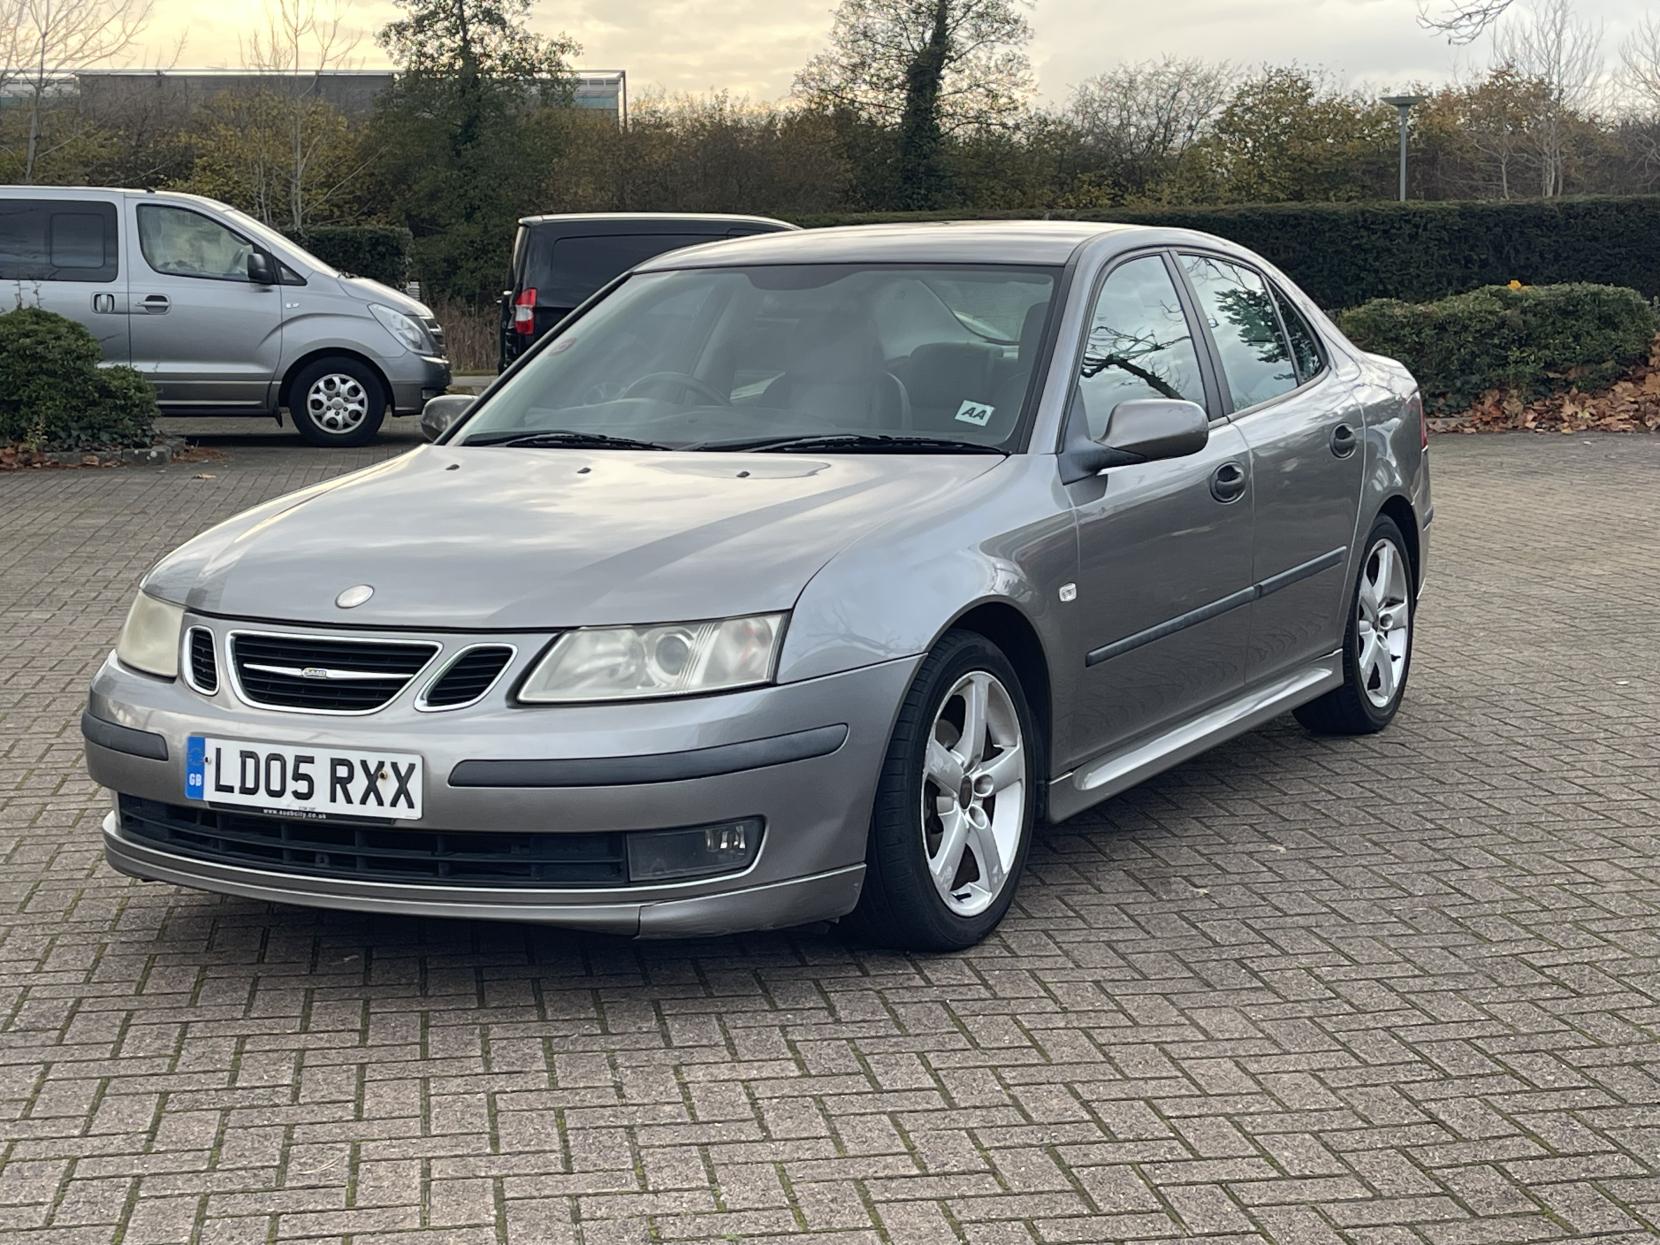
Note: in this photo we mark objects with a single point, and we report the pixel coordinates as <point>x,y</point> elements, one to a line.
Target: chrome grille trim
<point>421,702</point>
<point>333,673</point>
<point>187,666</point>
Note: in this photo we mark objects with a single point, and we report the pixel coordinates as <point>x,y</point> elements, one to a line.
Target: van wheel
<point>955,804</point>
<point>337,402</point>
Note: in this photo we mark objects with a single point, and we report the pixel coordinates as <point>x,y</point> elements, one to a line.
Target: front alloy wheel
<point>955,803</point>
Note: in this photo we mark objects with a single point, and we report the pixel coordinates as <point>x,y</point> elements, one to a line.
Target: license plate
<point>346,782</point>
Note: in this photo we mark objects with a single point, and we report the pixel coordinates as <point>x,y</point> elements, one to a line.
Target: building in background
<point>115,93</point>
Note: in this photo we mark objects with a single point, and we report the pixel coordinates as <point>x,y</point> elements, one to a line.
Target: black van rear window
<point>565,269</point>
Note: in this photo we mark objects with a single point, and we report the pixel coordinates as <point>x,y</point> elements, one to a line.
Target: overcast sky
<point>753,47</point>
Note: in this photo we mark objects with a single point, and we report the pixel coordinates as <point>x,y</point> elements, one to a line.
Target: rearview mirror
<point>440,414</point>
<point>1142,430</point>
<point>261,270</point>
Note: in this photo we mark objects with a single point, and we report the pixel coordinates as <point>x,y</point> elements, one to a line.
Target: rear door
<point>206,336</point>
<point>62,253</point>
<point>1304,431</point>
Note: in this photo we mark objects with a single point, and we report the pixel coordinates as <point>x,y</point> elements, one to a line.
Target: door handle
<point>1343,440</point>
<point>1227,482</point>
<point>156,304</point>
<point>104,303</point>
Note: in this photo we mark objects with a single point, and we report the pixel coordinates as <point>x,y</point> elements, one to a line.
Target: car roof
<point>1034,242</point>
<point>650,222</point>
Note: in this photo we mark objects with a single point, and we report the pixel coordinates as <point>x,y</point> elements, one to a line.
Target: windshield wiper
<point>565,439</point>
<point>895,442</point>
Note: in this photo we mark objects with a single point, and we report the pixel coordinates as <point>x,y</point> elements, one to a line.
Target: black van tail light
<point>524,312</point>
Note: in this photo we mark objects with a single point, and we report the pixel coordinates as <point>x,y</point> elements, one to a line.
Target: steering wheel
<point>684,379</point>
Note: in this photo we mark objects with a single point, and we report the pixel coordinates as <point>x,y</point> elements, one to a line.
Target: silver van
<point>224,315</point>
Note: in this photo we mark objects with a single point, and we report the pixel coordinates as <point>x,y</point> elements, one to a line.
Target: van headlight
<point>407,329</point>
<point>668,659</point>
<point>150,637</point>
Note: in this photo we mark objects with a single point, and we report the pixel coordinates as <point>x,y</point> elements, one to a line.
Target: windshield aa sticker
<point>976,413</point>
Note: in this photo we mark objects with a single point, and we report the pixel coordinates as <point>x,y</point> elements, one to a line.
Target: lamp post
<point>1403,103</point>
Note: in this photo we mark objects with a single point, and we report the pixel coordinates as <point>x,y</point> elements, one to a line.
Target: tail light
<point>524,312</point>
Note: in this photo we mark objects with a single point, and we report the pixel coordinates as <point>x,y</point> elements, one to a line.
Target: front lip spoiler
<point>625,771</point>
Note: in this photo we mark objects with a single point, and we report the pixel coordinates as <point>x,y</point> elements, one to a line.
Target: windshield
<point>716,358</point>
<point>279,244</point>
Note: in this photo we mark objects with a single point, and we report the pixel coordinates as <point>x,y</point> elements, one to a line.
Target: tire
<point>901,905</point>
<point>1373,684</point>
<point>337,401</point>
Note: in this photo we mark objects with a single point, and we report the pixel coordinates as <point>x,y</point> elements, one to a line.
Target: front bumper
<point>770,752</point>
<point>416,379</point>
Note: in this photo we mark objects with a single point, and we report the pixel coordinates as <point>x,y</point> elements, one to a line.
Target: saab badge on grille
<point>355,596</point>
<point>314,672</point>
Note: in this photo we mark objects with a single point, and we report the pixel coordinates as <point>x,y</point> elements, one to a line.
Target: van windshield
<point>280,244</point>
<point>715,358</point>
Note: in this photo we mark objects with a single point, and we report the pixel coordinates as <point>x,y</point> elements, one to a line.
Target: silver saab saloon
<point>792,578</point>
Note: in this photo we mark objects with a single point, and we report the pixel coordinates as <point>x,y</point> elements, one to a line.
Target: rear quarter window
<point>58,240</point>
<point>565,269</point>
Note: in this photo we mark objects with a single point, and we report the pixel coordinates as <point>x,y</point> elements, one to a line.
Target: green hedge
<point>55,396</point>
<point>1346,253</point>
<point>380,252</point>
<point>1533,340</point>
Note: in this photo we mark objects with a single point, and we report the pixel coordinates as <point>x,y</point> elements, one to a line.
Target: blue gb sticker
<point>194,776</point>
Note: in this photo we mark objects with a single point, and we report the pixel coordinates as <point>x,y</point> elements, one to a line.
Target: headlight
<point>673,659</point>
<point>410,331</point>
<point>150,637</point>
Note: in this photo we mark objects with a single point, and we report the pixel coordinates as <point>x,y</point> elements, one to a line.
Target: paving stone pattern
<point>1400,989</point>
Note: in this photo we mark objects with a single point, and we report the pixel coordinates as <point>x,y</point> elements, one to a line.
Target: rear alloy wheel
<point>338,402</point>
<point>1377,646</point>
<point>956,802</point>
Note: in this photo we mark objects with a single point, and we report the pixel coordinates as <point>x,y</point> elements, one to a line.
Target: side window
<point>1140,344</point>
<point>1235,301</point>
<point>181,243</point>
<point>579,265</point>
<point>57,240</point>
<point>1305,346</point>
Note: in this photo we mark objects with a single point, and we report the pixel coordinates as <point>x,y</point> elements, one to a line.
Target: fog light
<point>668,855</point>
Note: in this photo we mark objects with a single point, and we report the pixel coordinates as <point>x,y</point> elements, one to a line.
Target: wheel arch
<point>1398,508</point>
<point>1006,625</point>
<point>286,389</point>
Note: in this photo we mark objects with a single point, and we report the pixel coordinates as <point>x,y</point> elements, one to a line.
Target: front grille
<point>204,667</point>
<point>468,677</point>
<point>370,853</point>
<point>329,675</point>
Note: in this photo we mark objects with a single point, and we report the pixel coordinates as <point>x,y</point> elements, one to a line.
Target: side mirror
<point>440,414</point>
<point>1142,430</point>
<point>1153,428</point>
<point>262,270</point>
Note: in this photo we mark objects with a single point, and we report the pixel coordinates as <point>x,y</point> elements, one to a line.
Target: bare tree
<point>302,41</point>
<point>1144,116</point>
<point>1462,21</point>
<point>54,37</point>
<point>1639,83</point>
<point>1558,50</point>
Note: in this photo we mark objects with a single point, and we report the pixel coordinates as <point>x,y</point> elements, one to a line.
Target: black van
<point>558,261</point>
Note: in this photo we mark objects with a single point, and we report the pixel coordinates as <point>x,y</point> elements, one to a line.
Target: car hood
<point>514,538</point>
<point>366,290</point>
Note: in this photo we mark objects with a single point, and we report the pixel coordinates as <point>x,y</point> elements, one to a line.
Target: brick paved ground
<point>1404,989</point>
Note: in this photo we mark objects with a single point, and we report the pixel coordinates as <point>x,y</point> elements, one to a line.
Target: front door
<point>1164,547</point>
<point>1304,432</point>
<point>206,336</point>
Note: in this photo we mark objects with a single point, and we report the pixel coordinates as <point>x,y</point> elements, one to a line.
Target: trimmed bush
<point>1344,254</point>
<point>55,396</point>
<point>379,252</point>
<point>1531,340</point>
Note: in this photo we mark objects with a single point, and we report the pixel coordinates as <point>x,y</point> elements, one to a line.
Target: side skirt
<point>1107,775</point>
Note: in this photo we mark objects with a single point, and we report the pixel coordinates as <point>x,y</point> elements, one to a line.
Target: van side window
<point>181,243</point>
<point>57,240</point>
